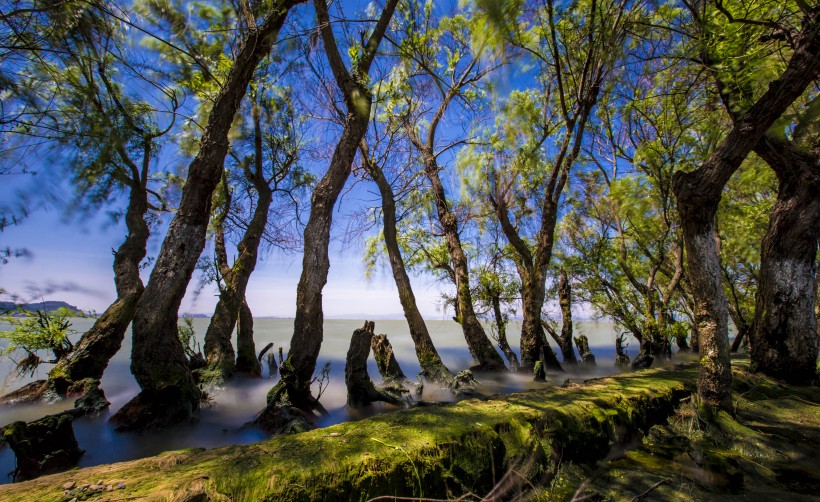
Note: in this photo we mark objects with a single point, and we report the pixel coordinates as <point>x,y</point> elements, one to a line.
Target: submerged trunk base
<point>157,409</point>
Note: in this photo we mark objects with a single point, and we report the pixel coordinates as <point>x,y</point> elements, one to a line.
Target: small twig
<point>644,494</point>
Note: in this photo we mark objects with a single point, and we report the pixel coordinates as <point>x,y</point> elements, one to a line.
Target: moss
<point>437,451</point>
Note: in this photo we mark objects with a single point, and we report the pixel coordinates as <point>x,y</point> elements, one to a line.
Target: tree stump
<point>621,358</point>
<point>44,446</point>
<point>386,360</point>
<point>360,389</point>
<point>582,343</point>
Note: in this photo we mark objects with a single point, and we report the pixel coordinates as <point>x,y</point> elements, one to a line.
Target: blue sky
<point>70,259</point>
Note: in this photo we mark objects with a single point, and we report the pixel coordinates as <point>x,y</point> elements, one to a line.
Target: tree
<point>270,170</point>
<point>698,194</point>
<point>168,392</point>
<point>444,61</point>
<point>78,109</point>
<point>291,397</point>
<point>539,142</point>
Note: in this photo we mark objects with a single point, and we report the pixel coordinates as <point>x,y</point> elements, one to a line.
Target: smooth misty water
<point>238,403</point>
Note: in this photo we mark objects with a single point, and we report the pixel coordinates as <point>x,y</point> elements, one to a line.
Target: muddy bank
<point>474,446</point>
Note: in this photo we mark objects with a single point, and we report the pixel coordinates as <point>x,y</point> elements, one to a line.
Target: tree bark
<point>246,360</point>
<point>293,389</point>
<point>621,358</point>
<point>565,301</point>
<point>501,326</point>
<point>218,349</point>
<point>583,349</point>
<point>479,344</point>
<point>157,359</point>
<point>698,193</point>
<point>98,345</point>
<point>360,389</point>
<point>430,362</point>
<point>784,339</point>
<point>386,360</point>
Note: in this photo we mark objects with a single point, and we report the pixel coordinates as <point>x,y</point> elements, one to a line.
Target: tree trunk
<point>698,193</point>
<point>431,365</point>
<point>246,360</point>
<point>291,395</point>
<point>360,389</point>
<point>621,358</point>
<point>565,301</point>
<point>480,346</point>
<point>501,326</point>
<point>158,362</point>
<point>583,349</point>
<point>98,345</point>
<point>218,349</point>
<point>784,340</point>
<point>386,360</point>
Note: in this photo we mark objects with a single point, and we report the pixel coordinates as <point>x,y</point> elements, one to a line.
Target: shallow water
<point>239,401</point>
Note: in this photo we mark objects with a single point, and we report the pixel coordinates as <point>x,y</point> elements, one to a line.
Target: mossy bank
<point>503,444</point>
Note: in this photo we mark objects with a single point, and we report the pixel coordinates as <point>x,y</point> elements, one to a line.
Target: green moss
<point>437,451</point>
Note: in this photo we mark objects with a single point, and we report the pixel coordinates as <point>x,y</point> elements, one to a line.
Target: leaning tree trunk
<point>698,193</point>
<point>480,346</point>
<point>431,364</point>
<point>246,360</point>
<point>292,393</point>
<point>784,340</point>
<point>218,349</point>
<point>98,345</point>
<point>168,392</point>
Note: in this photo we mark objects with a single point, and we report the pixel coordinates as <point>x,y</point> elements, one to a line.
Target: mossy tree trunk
<point>784,340</point>
<point>583,349</point>
<point>218,349</point>
<point>430,362</point>
<point>293,390</point>
<point>98,345</point>
<point>158,362</point>
<point>698,193</point>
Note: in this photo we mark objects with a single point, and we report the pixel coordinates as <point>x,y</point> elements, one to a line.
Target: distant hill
<point>48,306</point>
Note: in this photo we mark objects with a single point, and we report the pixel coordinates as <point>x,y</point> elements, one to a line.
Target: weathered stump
<point>360,389</point>
<point>621,357</point>
<point>386,360</point>
<point>44,446</point>
<point>582,343</point>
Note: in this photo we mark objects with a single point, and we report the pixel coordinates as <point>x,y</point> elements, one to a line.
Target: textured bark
<point>360,389</point>
<point>98,345</point>
<point>386,360</point>
<point>565,301</point>
<point>292,394</point>
<point>583,349</point>
<point>430,362</point>
<point>698,193</point>
<point>157,359</point>
<point>218,349</point>
<point>479,344</point>
<point>501,326</point>
<point>246,360</point>
<point>44,446</point>
<point>784,340</point>
<point>621,358</point>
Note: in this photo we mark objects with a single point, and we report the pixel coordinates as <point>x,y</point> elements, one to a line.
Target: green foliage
<point>36,332</point>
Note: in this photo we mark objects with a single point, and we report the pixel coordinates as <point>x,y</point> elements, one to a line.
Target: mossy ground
<point>635,435</point>
<point>770,450</point>
<point>506,443</point>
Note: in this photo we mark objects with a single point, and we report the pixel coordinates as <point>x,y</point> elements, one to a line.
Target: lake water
<point>222,422</point>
